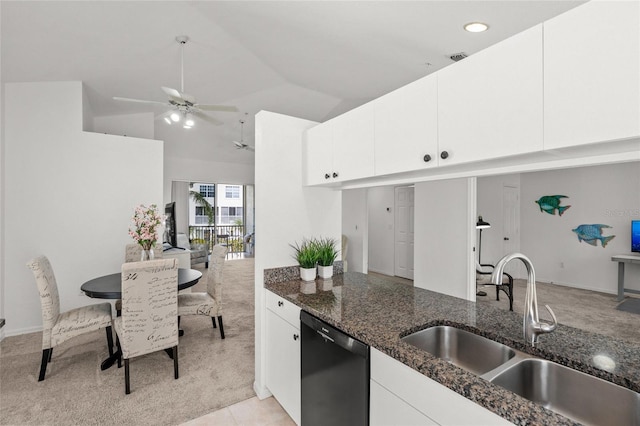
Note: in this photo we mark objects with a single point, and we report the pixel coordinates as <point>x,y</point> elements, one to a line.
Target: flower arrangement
<point>146,221</point>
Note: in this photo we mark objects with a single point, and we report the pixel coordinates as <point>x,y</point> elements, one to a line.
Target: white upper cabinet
<point>340,149</point>
<point>317,154</point>
<point>592,74</point>
<point>353,144</point>
<point>406,128</point>
<point>490,104</point>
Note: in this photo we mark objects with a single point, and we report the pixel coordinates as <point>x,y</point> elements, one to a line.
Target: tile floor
<point>252,412</point>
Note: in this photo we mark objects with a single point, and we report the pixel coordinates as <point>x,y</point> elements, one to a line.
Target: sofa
<point>199,252</point>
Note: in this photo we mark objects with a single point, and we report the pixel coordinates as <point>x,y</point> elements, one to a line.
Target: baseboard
<point>261,391</point>
<point>581,287</point>
<point>17,332</point>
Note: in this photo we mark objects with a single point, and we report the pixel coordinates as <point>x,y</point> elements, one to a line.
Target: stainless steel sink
<point>579,396</point>
<point>461,348</point>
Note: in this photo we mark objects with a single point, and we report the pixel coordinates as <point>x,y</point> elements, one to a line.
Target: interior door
<point>511,227</point>
<point>404,205</point>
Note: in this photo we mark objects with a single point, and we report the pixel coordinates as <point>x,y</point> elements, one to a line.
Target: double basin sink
<point>571,393</point>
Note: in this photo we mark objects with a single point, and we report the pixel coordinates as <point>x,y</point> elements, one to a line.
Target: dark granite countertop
<point>379,312</point>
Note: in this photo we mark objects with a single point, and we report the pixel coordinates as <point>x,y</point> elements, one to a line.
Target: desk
<point>110,287</point>
<point>622,259</point>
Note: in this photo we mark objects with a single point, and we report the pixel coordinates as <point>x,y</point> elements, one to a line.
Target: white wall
<point>608,195</point>
<point>444,237</point>
<point>381,212</point>
<point>355,228</point>
<point>133,125</point>
<point>69,195</point>
<point>309,211</point>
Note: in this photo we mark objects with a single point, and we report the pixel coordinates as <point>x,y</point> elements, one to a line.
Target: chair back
<point>49,298</point>
<point>149,306</point>
<point>214,273</point>
<point>133,252</point>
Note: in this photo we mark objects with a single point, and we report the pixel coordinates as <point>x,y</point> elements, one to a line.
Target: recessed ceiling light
<point>476,27</point>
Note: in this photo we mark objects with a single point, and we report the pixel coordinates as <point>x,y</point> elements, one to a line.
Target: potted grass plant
<point>327,253</point>
<point>306,254</point>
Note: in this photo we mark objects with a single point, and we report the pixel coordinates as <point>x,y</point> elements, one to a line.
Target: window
<point>201,216</point>
<point>232,191</point>
<point>231,211</point>
<point>208,191</point>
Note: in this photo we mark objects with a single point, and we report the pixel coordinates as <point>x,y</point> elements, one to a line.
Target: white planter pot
<point>325,271</point>
<point>307,274</point>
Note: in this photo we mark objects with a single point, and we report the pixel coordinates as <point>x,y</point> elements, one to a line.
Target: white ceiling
<point>310,59</point>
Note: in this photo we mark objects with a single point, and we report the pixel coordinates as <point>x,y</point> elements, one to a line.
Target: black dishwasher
<point>335,375</point>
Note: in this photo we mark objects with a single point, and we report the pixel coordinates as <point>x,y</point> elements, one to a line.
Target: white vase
<point>325,271</point>
<point>307,274</point>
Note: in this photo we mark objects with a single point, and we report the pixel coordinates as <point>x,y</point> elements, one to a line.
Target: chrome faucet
<point>531,325</point>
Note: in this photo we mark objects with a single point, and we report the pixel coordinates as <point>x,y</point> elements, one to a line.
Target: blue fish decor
<point>590,234</point>
<point>551,203</point>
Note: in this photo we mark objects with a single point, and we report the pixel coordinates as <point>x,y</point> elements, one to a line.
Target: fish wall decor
<point>590,234</point>
<point>551,203</point>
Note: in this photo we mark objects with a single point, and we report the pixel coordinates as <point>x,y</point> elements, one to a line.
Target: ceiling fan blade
<point>207,118</point>
<point>171,92</point>
<point>179,97</point>
<point>223,108</point>
<point>242,145</point>
<point>117,98</point>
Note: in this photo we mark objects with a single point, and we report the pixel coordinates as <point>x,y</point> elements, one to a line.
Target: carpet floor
<point>588,310</point>
<point>214,373</point>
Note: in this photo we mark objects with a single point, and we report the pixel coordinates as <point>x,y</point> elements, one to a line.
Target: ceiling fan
<point>241,144</point>
<point>183,107</point>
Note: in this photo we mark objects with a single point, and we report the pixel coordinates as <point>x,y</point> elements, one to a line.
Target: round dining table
<point>110,287</point>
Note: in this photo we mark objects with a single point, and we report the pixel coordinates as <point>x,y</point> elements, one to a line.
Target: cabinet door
<point>438,403</point>
<point>318,154</point>
<point>406,128</point>
<point>387,409</point>
<point>353,144</point>
<point>490,104</point>
<point>592,74</point>
<point>283,363</point>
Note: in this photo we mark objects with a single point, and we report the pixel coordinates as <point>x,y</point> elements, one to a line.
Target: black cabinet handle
<point>426,158</point>
<point>335,175</point>
<point>296,337</point>
<point>280,303</point>
<point>506,238</point>
<point>326,176</point>
<point>444,155</point>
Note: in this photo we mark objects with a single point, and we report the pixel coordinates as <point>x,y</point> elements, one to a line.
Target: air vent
<point>458,56</point>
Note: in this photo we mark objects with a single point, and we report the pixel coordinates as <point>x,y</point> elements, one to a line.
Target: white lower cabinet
<point>400,395</point>
<point>387,409</point>
<point>283,354</point>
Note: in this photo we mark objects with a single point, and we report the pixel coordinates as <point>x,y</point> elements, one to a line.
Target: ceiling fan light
<point>175,117</point>
<point>186,126</point>
<point>167,120</point>
<point>189,122</point>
